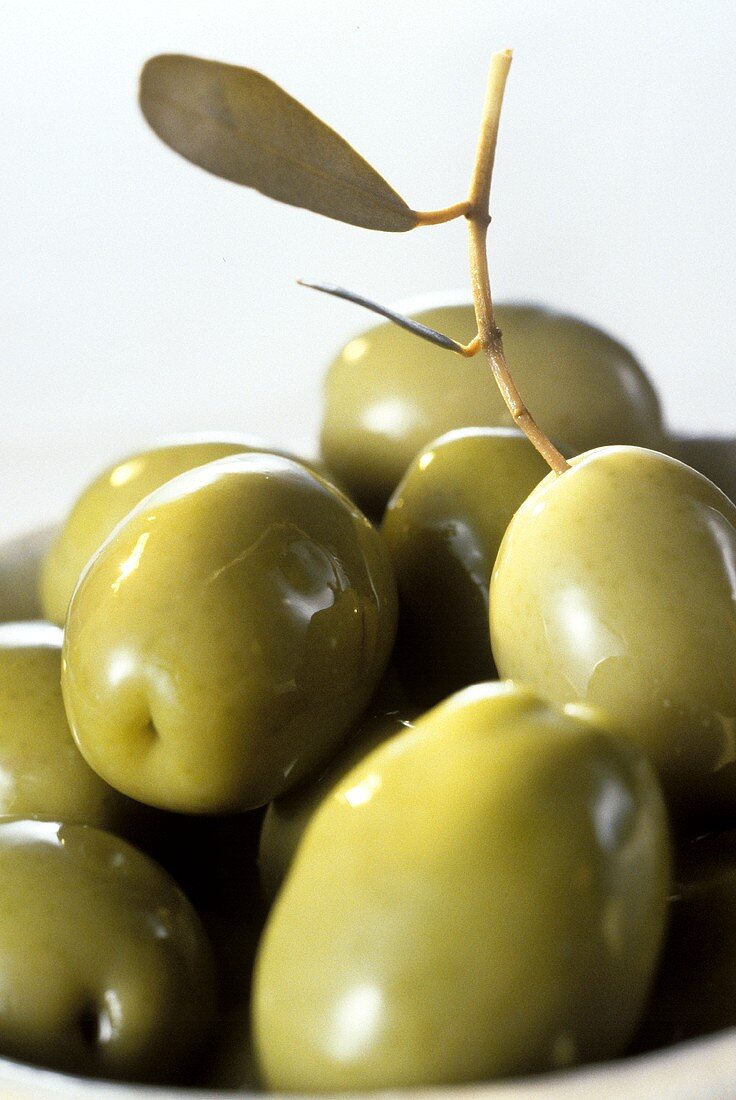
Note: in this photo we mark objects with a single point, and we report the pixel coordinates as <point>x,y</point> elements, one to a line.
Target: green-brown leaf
<point>239,125</point>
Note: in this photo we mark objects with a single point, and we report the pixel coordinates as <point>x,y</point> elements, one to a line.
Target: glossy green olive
<point>112,495</point>
<point>483,895</point>
<point>42,771</point>
<point>288,817</point>
<point>695,991</point>
<point>615,585</point>
<point>443,527</point>
<point>104,966</point>
<point>388,393</point>
<point>226,637</point>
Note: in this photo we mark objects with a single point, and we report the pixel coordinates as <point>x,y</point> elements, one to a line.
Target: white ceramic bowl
<point>703,1069</point>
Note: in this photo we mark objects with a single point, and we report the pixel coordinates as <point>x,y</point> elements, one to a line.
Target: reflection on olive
<point>226,637</point>
<point>388,394</point>
<point>482,895</point>
<point>443,527</point>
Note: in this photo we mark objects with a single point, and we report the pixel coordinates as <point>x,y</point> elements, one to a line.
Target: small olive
<point>104,966</point>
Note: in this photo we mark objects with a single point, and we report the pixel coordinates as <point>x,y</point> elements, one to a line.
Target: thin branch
<point>478,222</point>
<point>446,214</point>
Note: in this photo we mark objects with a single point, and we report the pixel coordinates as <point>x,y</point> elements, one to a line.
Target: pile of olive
<point>236,845</point>
<point>298,798</point>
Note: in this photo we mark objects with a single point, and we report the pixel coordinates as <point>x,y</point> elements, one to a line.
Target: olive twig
<point>408,323</point>
<point>478,222</point>
<point>446,214</point>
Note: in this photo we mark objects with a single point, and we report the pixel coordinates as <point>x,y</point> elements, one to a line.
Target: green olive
<point>112,495</point>
<point>225,638</point>
<point>482,895</point>
<point>695,992</point>
<point>42,772</point>
<point>615,585</point>
<point>388,393</point>
<point>104,966</point>
<point>443,527</point>
<point>287,817</point>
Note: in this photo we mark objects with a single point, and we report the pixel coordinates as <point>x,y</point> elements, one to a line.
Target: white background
<point>140,296</point>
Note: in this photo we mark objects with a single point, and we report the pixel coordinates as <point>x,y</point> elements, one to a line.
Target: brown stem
<point>478,222</point>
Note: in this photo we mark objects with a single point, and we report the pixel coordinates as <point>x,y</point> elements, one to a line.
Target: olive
<point>443,527</point>
<point>482,895</point>
<point>228,634</point>
<point>104,966</point>
<point>42,771</point>
<point>109,498</point>
<point>388,394</point>
<point>615,585</point>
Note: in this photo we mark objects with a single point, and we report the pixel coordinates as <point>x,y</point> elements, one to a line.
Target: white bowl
<point>702,1069</point>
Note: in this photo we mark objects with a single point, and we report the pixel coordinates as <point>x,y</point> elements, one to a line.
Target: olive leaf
<point>238,124</point>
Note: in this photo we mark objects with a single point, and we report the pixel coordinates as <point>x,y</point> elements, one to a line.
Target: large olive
<point>42,772</point>
<point>388,393</point>
<point>483,895</point>
<point>227,635</point>
<point>443,527</point>
<point>114,493</point>
<point>615,585</point>
<point>104,966</point>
